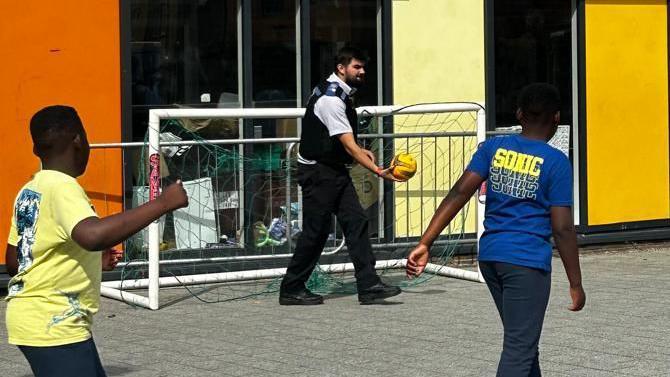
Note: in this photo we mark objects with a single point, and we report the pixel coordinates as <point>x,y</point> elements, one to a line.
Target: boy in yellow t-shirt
<point>52,250</point>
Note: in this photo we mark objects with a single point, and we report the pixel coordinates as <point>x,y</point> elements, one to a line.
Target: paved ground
<point>443,328</point>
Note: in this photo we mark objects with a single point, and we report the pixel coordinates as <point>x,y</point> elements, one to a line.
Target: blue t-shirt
<point>524,178</point>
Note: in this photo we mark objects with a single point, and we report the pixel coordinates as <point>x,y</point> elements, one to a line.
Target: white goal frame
<point>118,289</point>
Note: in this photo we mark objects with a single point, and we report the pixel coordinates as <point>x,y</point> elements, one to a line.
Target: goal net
<point>238,166</point>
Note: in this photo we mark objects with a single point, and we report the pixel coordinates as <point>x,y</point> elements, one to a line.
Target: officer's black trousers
<point>328,190</point>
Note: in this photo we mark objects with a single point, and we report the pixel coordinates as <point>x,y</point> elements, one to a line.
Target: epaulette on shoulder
<point>334,90</point>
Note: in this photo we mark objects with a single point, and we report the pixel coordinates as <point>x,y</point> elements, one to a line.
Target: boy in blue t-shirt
<point>529,198</point>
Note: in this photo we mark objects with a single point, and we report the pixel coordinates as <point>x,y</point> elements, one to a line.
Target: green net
<point>244,202</point>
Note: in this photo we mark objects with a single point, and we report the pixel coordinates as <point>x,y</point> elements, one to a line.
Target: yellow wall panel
<point>438,56</point>
<point>627,111</point>
<point>438,51</point>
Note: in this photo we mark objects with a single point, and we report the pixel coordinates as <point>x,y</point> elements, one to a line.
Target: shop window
<point>273,53</point>
<point>183,53</point>
<point>532,44</point>
<point>337,23</point>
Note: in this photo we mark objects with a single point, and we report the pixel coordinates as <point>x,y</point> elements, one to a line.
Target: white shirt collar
<point>347,89</point>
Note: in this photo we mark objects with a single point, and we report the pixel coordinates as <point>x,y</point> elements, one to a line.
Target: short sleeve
<point>560,183</point>
<point>331,111</point>
<point>70,205</point>
<point>13,238</point>
<point>481,161</point>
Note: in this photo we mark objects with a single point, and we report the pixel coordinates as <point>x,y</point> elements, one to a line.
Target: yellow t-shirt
<point>52,298</point>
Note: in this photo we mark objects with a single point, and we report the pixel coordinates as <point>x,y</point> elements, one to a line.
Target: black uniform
<point>327,189</point>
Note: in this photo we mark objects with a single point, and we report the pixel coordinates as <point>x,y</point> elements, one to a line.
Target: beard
<point>355,82</point>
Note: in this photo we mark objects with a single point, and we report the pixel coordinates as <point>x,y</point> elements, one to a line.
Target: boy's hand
<point>110,258</point>
<point>417,261</point>
<point>174,196</point>
<point>578,298</point>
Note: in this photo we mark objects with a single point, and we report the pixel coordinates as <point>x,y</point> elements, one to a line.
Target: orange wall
<point>60,52</point>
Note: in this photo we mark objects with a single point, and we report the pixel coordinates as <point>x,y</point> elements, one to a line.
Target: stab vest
<point>315,142</point>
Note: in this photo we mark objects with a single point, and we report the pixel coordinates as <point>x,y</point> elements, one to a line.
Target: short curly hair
<point>539,99</point>
<point>50,127</point>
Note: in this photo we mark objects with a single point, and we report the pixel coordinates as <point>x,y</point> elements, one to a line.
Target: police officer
<point>327,145</point>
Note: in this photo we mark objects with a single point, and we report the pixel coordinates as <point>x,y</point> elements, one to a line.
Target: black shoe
<point>303,297</point>
<point>377,292</point>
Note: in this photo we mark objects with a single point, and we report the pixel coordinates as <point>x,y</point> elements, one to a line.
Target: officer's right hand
<point>174,196</point>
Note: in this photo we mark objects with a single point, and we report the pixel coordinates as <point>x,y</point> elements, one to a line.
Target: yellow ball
<point>405,166</point>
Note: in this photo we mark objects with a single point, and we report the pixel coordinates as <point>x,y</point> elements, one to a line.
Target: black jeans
<point>76,359</point>
<point>326,191</point>
<point>521,295</point>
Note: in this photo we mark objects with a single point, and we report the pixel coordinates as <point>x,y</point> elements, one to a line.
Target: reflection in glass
<point>273,53</point>
<point>337,23</point>
<point>532,43</point>
<point>182,52</point>
<point>273,84</point>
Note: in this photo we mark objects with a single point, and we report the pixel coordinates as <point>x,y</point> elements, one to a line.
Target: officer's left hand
<point>388,174</point>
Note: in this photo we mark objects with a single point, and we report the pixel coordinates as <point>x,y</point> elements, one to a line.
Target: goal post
<point>416,138</point>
